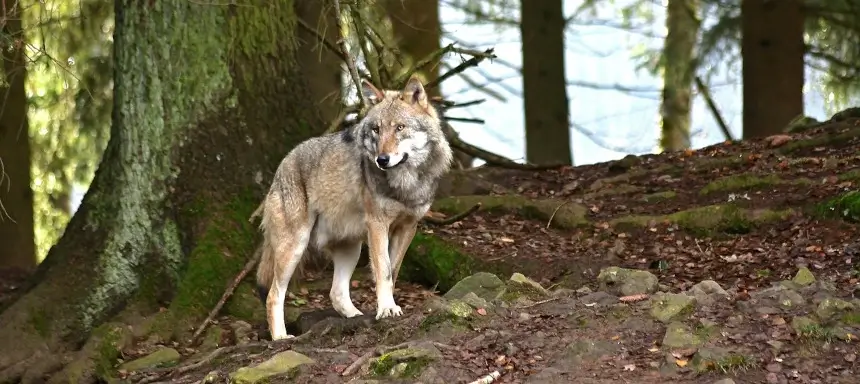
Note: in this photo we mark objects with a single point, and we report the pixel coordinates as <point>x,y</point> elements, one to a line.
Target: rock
<point>284,363</point>
<point>584,290</point>
<point>803,277</point>
<point>404,363</point>
<point>485,285</point>
<point>600,298</point>
<point>454,312</point>
<point>524,286</point>
<point>678,336</point>
<point>772,378</point>
<point>588,350</point>
<point>706,359</point>
<point>211,377</point>
<point>476,302</point>
<point>626,282</point>
<point>790,299</point>
<point>830,307</point>
<point>801,324</point>
<point>666,307</point>
<point>242,330</point>
<point>161,357</point>
<point>563,293</point>
<point>707,292</point>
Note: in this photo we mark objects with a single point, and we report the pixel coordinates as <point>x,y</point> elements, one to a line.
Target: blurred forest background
<point>579,81</point>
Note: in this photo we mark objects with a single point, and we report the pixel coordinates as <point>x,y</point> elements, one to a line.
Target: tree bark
<point>320,66</point>
<point>682,27</point>
<point>16,198</point>
<point>544,84</point>
<point>207,101</point>
<point>773,51</point>
<point>418,33</point>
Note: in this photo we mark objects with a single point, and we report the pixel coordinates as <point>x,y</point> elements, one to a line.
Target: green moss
<point>852,176</point>
<point>829,140</point>
<point>658,196</point>
<point>735,362</point>
<point>262,29</point>
<point>385,364</point>
<point>430,261</point>
<point>851,318</point>
<point>622,189</point>
<point>245,305</point>
<point>816,332</point>
<point>739,182</point>
<point>707,220</point>
<point>845,207</point>
<point>567,215</point>
<point>41,322</point>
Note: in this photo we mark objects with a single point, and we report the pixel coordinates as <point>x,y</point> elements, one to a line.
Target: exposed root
<point>363,359</point>
<point>537,303</point>
<point>229,292</point>
<point>453,219</point>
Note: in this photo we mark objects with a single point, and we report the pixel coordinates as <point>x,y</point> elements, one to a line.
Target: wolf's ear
<point>373,94</point>
<point>413,93</point>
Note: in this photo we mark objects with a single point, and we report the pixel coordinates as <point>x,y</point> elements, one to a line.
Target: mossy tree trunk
<point>544,85</point>
<point>772,51</point>
<point>682,25</point>
<point>320,66</point>
<point>207,100</point>
<point>16,212</point>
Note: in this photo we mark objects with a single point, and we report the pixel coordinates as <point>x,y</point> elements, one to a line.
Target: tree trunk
<point>544,84</point>
<point>773,51</point>
<point>682,27</point>
<point>16,198</point>
<point>418,33</point>
<point>207,101</point>
<point>320,66</point>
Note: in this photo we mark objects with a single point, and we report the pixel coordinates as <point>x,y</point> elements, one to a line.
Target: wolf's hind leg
<point>289,250</point>
<point>345,258</point>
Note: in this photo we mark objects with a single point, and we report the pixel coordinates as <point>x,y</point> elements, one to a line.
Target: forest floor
<point>744,276</point>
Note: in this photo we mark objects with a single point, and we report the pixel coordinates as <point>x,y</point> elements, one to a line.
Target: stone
<point>707,292</point>
<point>520,279</point>
<point>679,336</point>
<point>405,363</point>
<point>600,298</point>
<point>666,307</point>
<point>830,307</point>
<point>485,285</point>
<point>475,301</point>
<point>803,277</point>
<point>159,358</point>
<point>706,359</point>
<point>283,363</point>
<point>626,282</point>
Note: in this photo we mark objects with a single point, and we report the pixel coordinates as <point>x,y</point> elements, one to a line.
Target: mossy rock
<point>667,307</point>
<point>519,286</point>
<point>801,124</point>
<point>284,363</point>
<point>625,282</point>
<point>484,284</point>
<point>567,215</point>
<point>447,312</point>
<point>161,357</point>
<point>244,304</point>
<point>747,181</point>
<point>845,207</point>
<point>840,139</point>
<point>405,363</point>
<point>622,189</point>
<point>659,196</point>
<point>710,219</point>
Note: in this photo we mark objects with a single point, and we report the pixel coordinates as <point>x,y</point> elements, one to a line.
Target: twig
<point>453,219</point>
<point>321,38</point>
<point>548,222</point>
<point>537,303</point>
<point>352,368</point>
<point>450,105</point>
<point>713,108</point>
<point>402,79</point>
<point>465,120</point>
<point>489,378</point>
<point>350,62</point>
<point>229,292</point>
<point>477,58</point>
<point>372,66</point>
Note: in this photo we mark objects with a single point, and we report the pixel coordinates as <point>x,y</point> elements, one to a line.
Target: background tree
<point>773,65</point>
<point>679,66</point>
<point>190,152</point>
<point>320,65</point>
<point>544,86</point>
<point>16,197</point>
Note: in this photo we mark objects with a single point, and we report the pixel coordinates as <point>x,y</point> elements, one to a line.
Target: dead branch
<point>713,108</point>
<point>402,79</point>
<point>321,38</point>
<point>227,293</point>
<point>537,303</point>
<point>548,222</point>
<point>372,65</point>
<point>350,63</point>
<point>494,159</point>
<point>477,58</point>
<point>363,359</point>
<point>469,120</point>
<point>489,378</point>
<point>453,219</point>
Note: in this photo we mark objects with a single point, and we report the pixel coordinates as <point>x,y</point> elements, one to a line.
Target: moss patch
<point>831,140</point>
<point>430,261</point>
<point>659,196</point>
<point>707,220</point>
<point>747,181</point>
<point>567,215</point>
<point>845,207</point>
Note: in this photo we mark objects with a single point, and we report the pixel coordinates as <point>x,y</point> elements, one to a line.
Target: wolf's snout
<point>382,160</point>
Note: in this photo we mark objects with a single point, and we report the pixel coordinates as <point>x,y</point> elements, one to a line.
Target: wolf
<point>371,182</point>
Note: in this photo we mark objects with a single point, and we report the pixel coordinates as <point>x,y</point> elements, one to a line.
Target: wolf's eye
<point>375,128</point>
<point>400,127</point>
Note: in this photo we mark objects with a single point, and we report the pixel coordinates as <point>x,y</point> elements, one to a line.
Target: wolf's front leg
<point>401,236</point>
<point>377,239</point>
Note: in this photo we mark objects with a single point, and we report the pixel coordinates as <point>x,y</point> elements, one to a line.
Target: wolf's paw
<point>388,311</point>
<point>281,335</point>
<point>346,309</point>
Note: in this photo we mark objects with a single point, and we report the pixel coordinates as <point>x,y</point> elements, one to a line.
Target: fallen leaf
<point>630,367</point>
<point>482,311</point>
<point>633,298</point>
<point>506,240</point>
<point>778,140</point>
<point>616,337</point>
<point>681,362</point>
<point>654,349</point>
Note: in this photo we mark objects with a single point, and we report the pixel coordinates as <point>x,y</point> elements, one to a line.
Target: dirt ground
<point>584,332</point>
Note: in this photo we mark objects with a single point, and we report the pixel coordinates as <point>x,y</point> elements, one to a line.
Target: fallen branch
<point>548,222</point>
<point>537,303</point>
<point>489,378</point>
<point>227,293</point>
<point>453,219</point>
<point>354,367</point>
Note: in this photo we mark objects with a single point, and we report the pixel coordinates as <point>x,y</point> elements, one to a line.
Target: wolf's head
<point>401,127</point>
